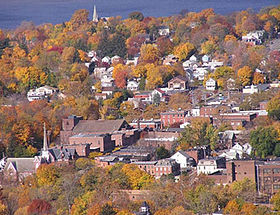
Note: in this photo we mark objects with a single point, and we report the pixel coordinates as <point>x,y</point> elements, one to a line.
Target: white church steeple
<point>45,151</point>
<point>95,15</point>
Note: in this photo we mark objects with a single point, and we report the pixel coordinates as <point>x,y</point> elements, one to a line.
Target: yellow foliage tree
<point>149,53</point>
<point>232,208</point>
<point>154,76</point>
<point>139,71</point>
<point>208,47</point>
<point>162,212</point>
<point>47,175</point>
<point>3,209</point>
<point>182,51</point>
<point>124,212</point>
<point>138,179</point>
<point>248,209</point>
<point>245,75</point>
<point>258,78</point>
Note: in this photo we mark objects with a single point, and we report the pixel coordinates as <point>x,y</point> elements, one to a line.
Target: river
<point>13,12</point>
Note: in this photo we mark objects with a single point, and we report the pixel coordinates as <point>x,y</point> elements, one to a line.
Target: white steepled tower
<point>45,151</point>
<point>95,16</point>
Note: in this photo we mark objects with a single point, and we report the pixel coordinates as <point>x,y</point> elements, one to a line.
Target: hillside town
<point>175,115</point>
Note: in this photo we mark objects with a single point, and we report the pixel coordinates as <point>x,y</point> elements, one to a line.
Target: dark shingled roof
<point>99,126</point>
<point>63,153</point>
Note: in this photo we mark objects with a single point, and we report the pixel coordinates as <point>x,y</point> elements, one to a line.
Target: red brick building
<point>82,150</point>
<point>98,142</point>
<point>171,117</point>
<point>199,153</point>
<point>268,177</point>
<point>233,119</point>
<point>142,124</point>
<point>160,167</point>
<point>237,170</point>
<point>102,135</point>
<point>157,139</point>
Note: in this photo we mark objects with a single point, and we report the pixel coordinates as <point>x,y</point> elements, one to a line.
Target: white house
<point>107,81</point>
<point>187,64</point>
<point>116,59</point>
<point>193,58</point>
<point>231,84</point>
<point>40,93</point>
<point>132,85</point>
<point>205,58</point>
<point>254,37</point>
<point>254,88</point>
<point>214,64</point>
<point>164,31</point>
<point>210,84</point>
<point>211,165</point>
<point>186,162</point>
<point>99,72</point>
<point>161,93</point>
<point>106,59</point>
<point>134,61</point>
<point>199,73</point>
<point>237,151</point>
<point>195,111</point>
<point>91,54</point>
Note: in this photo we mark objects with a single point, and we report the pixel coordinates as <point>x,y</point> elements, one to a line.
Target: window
<point>276,186</point>
<point>276,179</point>
<point>266,171</point>
<point>267,187</point>
<point>276,170</point>
<point>266,179</point>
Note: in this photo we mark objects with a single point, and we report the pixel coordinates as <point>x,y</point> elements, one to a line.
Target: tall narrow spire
<point>95,16</point>
<point>45,144</point>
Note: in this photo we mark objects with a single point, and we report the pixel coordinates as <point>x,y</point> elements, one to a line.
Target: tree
<point>154,76</point>
<point>120,74</point>
<point>134,44</point>
<point>276,201</point>
<point>3,209</point>
<point>245,75</point>
<point>162,153</point>
<point>244,189</point>
<point>107,209</point>
<point>79,19</point>
<point>209,47</point>
<point>112,46</point>
<point>47,175</point>
<point>248,208</point>
<point>136,15</point>
<point>273,107</point>
<point>137,178</point>
<point>263,141</point>
<point>39,206</point>
<point>233,208</point>
<point>149,53</point>
<point>258,78</point>
<point>165,46</point>
<point>156,99</point>
<point>184,50</point>
<point>199,133</point>
<point>179,100</point>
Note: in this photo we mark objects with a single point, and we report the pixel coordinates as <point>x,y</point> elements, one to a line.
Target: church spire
<point>45,144</point>
<point>95,16</point>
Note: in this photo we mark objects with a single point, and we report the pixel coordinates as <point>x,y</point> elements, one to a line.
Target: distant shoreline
<point>13,12</point>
